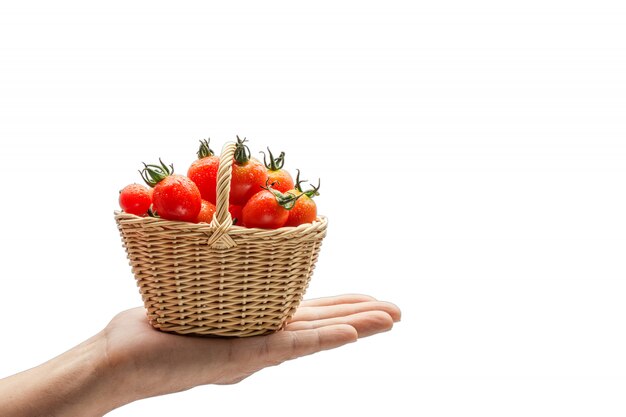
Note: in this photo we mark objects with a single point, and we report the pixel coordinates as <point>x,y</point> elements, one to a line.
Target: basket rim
<point>318,225</point>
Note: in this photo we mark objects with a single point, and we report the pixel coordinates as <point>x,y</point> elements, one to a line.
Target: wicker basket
<point>219,279</point>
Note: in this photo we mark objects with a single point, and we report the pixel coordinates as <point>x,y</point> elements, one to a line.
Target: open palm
<point>160,363</point>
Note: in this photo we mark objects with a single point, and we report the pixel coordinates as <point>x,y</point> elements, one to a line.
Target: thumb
<point>286,345</point>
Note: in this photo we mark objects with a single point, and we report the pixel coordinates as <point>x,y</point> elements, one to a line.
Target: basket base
<point>246,329</point>
<point>213,333</point>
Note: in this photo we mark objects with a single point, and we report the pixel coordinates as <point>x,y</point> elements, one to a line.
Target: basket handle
<point>222,220</point>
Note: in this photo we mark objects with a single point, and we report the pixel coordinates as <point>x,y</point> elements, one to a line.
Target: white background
<point>472,157</point>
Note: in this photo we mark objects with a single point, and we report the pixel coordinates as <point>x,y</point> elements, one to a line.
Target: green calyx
<point>275,163</point>
<point>309,193</point>
<point>153,174</point>
<point>285,200</point>
<point>242,152</point>
<point>204,150</point>
<point>314,191</point>
<point>299,182</point>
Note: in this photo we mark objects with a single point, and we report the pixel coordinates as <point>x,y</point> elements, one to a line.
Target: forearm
<point>80,382</point>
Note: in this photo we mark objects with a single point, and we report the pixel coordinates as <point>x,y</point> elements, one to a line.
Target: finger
<point>366,323</point>
<point>338,299</point>
<point>286,345</point>
<point>325,312</point>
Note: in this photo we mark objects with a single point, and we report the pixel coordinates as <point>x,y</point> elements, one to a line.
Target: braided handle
<point>224,174</point>
<point>222,221</point>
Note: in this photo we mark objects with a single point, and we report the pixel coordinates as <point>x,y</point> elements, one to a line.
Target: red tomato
<point>203,171</point>
<point>268,209</point>
<point>235,213</point>
<point>280,179</point>
<point>135,199</point>
<point>207,210</point>
<point>304,209</point>
<point>175,197</point>
<point>248,176</point>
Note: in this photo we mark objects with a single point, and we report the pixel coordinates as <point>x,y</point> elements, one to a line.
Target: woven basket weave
<point>219,279</point>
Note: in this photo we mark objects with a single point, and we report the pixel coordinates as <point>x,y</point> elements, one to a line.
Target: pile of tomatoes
<point>262,195</point>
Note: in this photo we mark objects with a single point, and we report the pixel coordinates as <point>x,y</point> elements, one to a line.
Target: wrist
<point>80,382</point>
<point>90,384</point>
<point>112,383</point>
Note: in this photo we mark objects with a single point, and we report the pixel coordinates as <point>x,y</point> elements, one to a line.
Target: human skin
<point>129,360</point>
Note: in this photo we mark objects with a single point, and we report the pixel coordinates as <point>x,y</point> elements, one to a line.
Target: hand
<point>129,360</point>
<point>159,363</point>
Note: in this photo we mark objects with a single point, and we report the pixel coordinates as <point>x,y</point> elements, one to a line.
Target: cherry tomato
<point>248,176</point>
<point>280,179</point>
<point>304,209</point>
<point>135,199</point>
<point>175,197</point>
<point>268,209</point>
<point>236,214</point>
<point>203,171</point>
<point>207,210</point>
